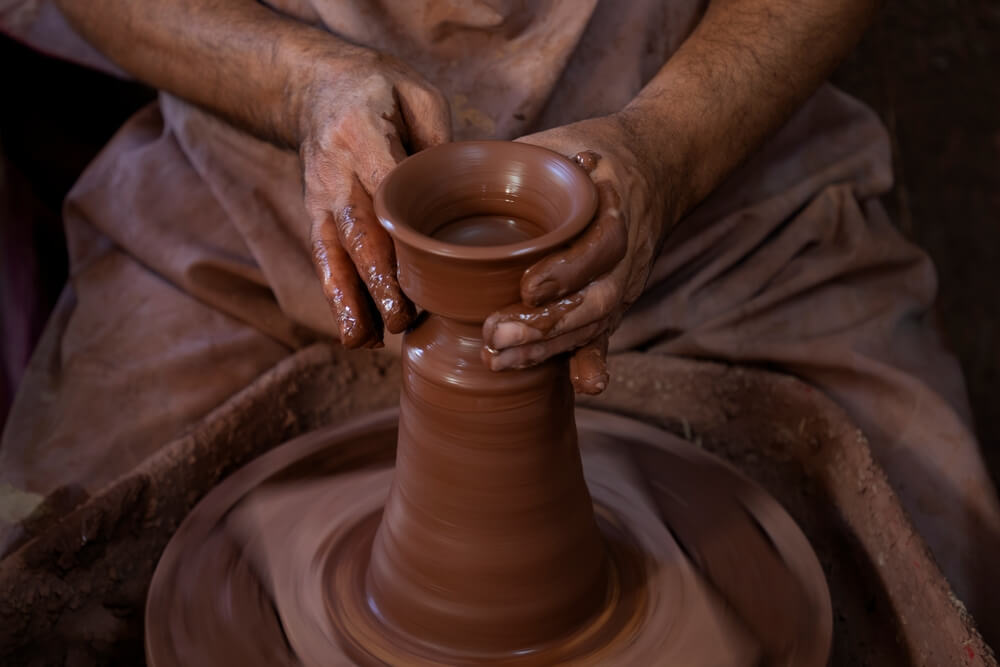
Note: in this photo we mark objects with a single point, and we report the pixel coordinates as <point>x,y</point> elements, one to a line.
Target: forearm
<point>236,58</point>
<point>745,69</point>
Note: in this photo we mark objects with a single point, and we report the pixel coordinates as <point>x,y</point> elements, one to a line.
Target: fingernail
<point>590,388</point>
<point>587,160</point>
<point>399,319</point>
<point>502,361</point>
<point>511,334</point>
<point>487,354</point>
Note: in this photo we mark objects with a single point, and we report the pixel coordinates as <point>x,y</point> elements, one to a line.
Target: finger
<point>373,254</point>
<point>341,285</point>
<point>588,367</point>
<point>426,114</point>
<point>596,252</point>
<point>531,354</point>
<point>518,325</point>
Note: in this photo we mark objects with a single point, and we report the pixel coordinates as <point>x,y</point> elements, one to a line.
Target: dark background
<point>928,67</point>
<point>931,69</point>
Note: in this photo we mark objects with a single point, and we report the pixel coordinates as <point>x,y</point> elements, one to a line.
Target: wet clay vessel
<point>488,542</point>
<point>484,544</point>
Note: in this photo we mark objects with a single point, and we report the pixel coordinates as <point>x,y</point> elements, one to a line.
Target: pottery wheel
<point>708,569</point>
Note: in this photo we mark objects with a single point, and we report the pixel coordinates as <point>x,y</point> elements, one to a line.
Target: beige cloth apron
<point>190,274</point>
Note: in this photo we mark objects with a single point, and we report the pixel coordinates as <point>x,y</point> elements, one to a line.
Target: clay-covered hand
<point>574,298</point>
<point>361,114</point>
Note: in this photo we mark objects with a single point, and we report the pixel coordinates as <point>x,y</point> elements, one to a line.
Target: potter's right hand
<point>361,113</point>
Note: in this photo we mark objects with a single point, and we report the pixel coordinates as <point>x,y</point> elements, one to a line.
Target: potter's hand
<point>349,111</point>
<point>362,113</point>
<point>574,298</point>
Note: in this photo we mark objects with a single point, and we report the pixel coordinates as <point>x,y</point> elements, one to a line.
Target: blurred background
<point>928,67</point>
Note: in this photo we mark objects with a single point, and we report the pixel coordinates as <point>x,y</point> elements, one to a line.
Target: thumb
<point>426,113</point>
<point>380,150</point>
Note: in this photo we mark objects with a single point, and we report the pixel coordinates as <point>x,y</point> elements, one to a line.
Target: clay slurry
<point>487,230</point>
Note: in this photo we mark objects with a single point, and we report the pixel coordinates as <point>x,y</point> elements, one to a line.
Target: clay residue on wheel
<point>289,532</point>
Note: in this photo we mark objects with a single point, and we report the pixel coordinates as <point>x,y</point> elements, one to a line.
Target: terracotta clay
<point>489,542</point>
<point>485,545</point>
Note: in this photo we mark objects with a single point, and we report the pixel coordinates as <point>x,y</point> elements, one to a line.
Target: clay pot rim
<point>403,233</point>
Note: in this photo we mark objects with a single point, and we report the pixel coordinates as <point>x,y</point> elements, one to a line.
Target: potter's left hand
<point>574,298</point>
